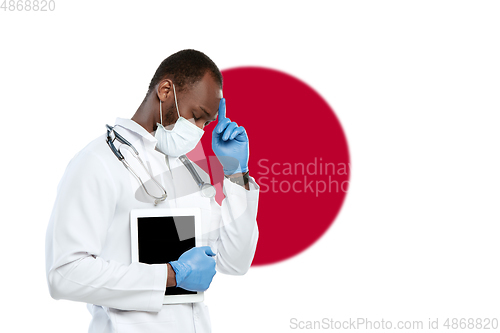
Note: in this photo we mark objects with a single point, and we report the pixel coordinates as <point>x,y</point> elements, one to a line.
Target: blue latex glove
<point>230,143</point>
<point>195,269</point>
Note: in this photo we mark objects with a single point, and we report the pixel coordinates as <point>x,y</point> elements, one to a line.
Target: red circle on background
<point>291,131</point>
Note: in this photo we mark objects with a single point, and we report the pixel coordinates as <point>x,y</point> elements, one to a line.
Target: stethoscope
<point>207,190</point>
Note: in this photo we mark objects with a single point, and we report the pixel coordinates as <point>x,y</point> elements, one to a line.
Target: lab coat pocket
<point>141,321</point>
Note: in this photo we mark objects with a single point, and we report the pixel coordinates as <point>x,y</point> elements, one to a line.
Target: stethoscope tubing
<point>113,135</point>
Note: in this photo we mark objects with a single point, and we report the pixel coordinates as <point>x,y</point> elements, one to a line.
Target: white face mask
<point>181,139</point>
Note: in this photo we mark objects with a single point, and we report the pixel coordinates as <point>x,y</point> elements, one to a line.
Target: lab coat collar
<point>136,128</point>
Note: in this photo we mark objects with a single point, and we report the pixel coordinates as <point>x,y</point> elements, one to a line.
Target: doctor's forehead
<point>207,93</point>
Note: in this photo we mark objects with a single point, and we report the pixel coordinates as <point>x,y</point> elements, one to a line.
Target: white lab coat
<point>88,248</point>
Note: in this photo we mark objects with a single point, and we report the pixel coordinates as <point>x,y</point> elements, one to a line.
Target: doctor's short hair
<point>187,67</point>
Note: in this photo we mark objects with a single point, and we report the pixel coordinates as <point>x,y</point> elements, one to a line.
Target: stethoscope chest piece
<point>206,190</point>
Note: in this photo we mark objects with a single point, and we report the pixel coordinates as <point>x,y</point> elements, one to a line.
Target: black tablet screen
<point>163,239</point>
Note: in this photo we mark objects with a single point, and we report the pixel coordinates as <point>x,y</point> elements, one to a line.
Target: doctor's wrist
<point>171,282</point>
<point>240,179</point>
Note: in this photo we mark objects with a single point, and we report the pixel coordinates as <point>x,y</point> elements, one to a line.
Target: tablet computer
<point>163,235</point>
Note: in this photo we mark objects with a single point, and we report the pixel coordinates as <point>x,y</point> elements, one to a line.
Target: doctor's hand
<point>195,269</point>
<point>230,143</point>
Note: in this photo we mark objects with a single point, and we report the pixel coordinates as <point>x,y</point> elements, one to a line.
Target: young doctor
<point>88,242</point>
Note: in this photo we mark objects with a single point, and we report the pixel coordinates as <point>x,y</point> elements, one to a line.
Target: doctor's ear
<point>163,88</point>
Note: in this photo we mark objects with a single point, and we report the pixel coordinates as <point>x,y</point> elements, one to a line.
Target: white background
<point>415,85</point>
